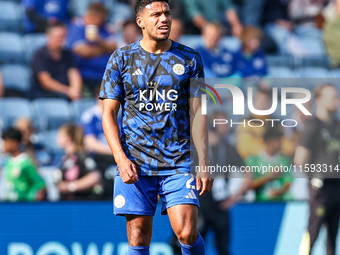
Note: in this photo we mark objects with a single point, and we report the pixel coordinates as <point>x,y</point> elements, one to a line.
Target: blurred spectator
<point>77,178</point>
<point>251,12</point>
<point>273,185</point>
<point>218,61</point>
<point>131,33</point>
<point>95,142</point>
<point>2,89</point>
<point>250,60</point>
<point>118,12</point>
<point>249,139</point>
<point>38,153</point>
<point>54,71</point>
<point>39,13</point>
<point>92,44</point>
<point>23,182</point>
<point>331,32</point>
<point>276,22</point>
<point>319,149</point>
<point>177,29</point>
<point>202,12</point>
<point>295,25</point>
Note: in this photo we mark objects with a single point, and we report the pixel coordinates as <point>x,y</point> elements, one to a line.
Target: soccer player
<point>151,80</point>
<point>320,145</point>
<point>23,183</point>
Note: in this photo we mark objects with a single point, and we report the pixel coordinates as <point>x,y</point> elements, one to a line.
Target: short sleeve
<point>112,87</point>
<point>39,63</point>
<point>192,9</point>
<point>197,78</point>
<point>227,4</point>
<point>308,137</point>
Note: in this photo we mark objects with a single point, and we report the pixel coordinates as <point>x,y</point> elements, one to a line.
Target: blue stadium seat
<point>190,40</point>
<point>49,140</point>
<point>231,43</point>
<point>32,43</point>
<point>13,108</point>
<point>11,48</point>
<point>10,16</point>
<point>16,77</point>
<point>314,72</point>
<point>281,72</point>
<point>50,113</point>
<point>81,105</point>
<point>322,62</point>
<point>280,61</point>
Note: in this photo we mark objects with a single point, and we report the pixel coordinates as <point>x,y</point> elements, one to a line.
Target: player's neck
<point>153,46</point>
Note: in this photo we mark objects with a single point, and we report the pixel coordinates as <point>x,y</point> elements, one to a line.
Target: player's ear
<point>140,22</point>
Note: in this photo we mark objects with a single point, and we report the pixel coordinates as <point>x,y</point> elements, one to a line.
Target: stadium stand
<point>50,113</point>
<point>81,105</point>
<point>11,48</point>
<point>16,77</point>
<point>10,13</point>
<point>13,108</point>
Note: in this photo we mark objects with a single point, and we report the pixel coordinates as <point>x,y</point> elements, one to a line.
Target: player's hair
<point>250,32</point>
<point>140,4</point>
<point>55,24</point>
<point>97,9</point>
<point>272,133</point>
<point>76,135</point>
<point>318,91</point>
<point>12,134</point>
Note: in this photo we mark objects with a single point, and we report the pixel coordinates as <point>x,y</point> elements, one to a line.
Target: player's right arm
<point>127,169</point>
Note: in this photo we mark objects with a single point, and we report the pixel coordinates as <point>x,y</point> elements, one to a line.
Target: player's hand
<point>204,182</point>
<point>127,171</point>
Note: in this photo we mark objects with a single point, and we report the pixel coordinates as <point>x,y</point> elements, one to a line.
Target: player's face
<point>156,21</point>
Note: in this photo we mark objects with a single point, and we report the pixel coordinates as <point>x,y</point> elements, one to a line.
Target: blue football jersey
<point>154,91</point>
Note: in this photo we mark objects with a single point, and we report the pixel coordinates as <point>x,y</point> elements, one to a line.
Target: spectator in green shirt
<point>273,185</point>
<point>202,12</point>
<point>23,183</point>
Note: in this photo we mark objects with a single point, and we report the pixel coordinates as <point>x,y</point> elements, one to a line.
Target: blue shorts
<point>140,198</point>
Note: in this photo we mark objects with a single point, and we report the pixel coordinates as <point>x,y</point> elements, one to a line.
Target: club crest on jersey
<point>178,69</point>
<point>119,201</point>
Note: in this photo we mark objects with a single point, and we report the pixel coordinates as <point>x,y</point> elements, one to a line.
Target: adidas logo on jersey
<point>191,195</point>
<point>137,72</point>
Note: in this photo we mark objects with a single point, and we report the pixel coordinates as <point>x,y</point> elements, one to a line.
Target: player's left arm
<point>199,133</point>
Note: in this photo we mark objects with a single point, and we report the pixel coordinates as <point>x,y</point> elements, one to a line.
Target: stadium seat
<point>13,108</point>
<point>32,43</point>
<point>81,105</point>
<point>322,62</point>
<point>314,72</point>
<point>49,140</point>
<point>231,43</point>
<point>16,77</point>
<point>10,16</point>
<point>50,113</point>
<point>11,48</point>
<point>190,40</point>
<point>281,72</point>
<point>280,61</point>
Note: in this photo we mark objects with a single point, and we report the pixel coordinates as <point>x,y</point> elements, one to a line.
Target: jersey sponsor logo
<point>119,201</point>
<point>191,195</point>
<point>137,72</point>
<point>149,98</point>
<point>178,69</point>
